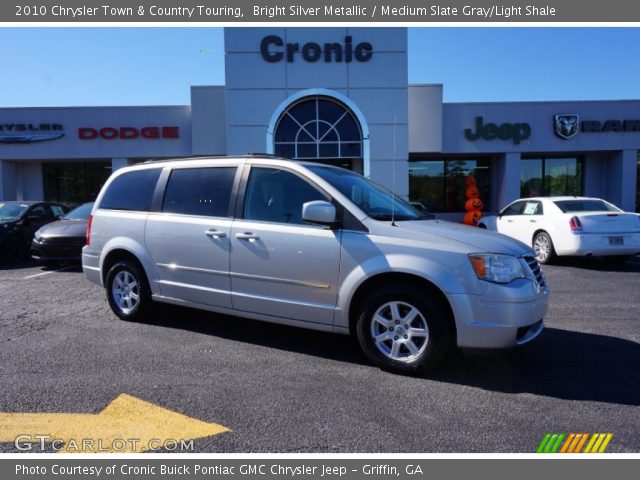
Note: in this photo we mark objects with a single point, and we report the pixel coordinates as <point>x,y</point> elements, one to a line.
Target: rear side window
<point>131,191</point>
<point>532,208</point>
<point>570,206</point>
<point>57,210</point>
<point>199,191</point>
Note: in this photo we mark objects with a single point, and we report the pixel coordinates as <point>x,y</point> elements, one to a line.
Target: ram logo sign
<point>566,125</point>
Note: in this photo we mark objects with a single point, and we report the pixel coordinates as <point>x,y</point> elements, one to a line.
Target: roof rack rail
<point>207,157</point>
<point>265,155</point>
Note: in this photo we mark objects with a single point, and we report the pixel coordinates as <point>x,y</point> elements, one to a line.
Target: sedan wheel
<point>543,247</point>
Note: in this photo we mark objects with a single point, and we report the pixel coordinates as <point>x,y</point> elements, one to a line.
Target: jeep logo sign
<point>516,132</point>
<point>273,50</point>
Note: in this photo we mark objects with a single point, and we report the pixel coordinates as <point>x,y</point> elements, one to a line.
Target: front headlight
<point>37,235</point>
<point>497,268</point>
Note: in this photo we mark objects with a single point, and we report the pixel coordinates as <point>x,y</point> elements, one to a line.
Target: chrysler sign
<point>30,132</point>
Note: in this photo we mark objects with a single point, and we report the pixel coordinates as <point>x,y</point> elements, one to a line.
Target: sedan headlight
<point>497,268</point>
<point>37,235</point>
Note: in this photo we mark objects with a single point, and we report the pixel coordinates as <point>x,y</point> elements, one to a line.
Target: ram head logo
<point>566,125</point>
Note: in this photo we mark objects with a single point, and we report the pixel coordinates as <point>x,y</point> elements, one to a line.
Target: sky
<point>156,66</point>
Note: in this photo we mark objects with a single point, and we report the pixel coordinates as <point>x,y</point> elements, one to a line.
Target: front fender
<point>453,277</point>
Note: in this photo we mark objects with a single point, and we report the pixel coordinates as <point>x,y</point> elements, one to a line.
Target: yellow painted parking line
<point>68,267</point>
<point>126,425</point>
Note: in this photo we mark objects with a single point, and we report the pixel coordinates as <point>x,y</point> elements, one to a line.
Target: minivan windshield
<point>11,210</point>
<point>79,213</point>
<point>373,199</point>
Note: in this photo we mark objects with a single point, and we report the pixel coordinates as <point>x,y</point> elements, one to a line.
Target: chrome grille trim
<point>534,266</point>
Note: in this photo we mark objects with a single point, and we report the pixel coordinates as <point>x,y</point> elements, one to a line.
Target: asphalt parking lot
<point>281,389</point>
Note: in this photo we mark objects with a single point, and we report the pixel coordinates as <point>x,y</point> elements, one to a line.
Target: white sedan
<point>569,226</point>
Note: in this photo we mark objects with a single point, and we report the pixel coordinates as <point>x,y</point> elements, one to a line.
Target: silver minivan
<point>314,246</point>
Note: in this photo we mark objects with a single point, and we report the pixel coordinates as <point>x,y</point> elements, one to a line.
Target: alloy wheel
<point>125,290</point>
<point>399,331</point>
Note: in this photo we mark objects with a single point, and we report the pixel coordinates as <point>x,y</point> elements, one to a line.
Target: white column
<point>505,179</point>
<point>7,180</point>
<point>621,176</point>
<point>117,163</point>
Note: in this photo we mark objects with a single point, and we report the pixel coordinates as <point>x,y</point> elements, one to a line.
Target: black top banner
<point>353,11</point>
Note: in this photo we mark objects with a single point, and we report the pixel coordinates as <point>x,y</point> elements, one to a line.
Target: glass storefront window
<point>547,176</point>
<point>440,185</point>
<point>74,183</point>
<point>319,129</point>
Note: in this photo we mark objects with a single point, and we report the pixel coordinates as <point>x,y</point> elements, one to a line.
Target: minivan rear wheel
<point>128,291</point>
<point>402,329</point>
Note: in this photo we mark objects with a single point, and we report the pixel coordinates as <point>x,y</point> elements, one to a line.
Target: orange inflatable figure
<point>473,205</point>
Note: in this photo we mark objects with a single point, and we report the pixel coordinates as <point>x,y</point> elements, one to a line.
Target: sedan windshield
<point>373,199</point>
<point>570,206</point>
<point>9,211</point>
<point>79,213</point>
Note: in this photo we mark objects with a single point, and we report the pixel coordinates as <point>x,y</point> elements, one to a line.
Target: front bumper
<point>58,250</point>
<point>506,316</point>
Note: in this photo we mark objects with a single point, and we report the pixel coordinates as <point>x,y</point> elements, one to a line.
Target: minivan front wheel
<point>402,329</point>
<point>128,291</point>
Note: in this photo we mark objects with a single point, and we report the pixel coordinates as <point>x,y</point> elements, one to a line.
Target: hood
<point>460,237</point>
<point>65,228</point>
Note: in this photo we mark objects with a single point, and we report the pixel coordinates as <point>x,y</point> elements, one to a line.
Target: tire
<point>482,225</point>
<point>388,308</point>
<point>128,291</point>
<point>618,259</point>
<point>543,248</point>
<point>13,252</point>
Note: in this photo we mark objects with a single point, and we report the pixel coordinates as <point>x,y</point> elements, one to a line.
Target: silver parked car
<point>313,246</point>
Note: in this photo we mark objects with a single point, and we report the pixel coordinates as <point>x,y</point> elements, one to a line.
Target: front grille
<point>534,266</point>
<point>63,240</point>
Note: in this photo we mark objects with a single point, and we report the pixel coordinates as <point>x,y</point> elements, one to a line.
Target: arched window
<point>318,128</point>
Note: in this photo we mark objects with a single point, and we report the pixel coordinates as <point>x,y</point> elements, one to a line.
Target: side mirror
<point>320,212</point>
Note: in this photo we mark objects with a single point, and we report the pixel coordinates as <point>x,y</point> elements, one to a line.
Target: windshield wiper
<point>388,217</point>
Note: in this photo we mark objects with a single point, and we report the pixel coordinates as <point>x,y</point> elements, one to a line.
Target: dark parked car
<point>18,222</point>
<point>62,241</point>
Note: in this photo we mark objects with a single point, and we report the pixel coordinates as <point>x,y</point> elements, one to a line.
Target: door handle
<point>533,221</point>
<point>510,221</point>
<point>247,236</point>
<point>215,233</point>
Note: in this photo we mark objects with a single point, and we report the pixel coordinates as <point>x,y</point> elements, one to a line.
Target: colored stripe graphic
<point>574,443</point>
<point>568,442</point>
<point>581,443</point>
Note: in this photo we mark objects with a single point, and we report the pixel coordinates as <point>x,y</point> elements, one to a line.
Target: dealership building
<point>339,96</point>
